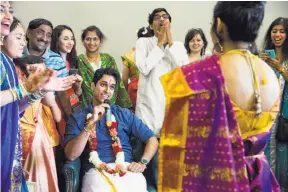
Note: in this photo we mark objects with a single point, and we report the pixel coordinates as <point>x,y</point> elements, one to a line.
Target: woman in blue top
<point>15,97</point>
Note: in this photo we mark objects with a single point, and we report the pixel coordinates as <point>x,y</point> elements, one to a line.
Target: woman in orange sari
<point>38,156</point>
<point>219,112</point>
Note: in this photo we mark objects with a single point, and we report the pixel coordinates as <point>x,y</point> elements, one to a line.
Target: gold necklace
<point>92,60</point>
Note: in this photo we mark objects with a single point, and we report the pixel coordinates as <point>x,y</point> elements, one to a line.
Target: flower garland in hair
<point>112,127</point>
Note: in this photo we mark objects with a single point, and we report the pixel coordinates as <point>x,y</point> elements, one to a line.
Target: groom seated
<point>101,135</point>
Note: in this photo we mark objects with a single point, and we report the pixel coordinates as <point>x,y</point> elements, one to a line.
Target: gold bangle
<point>88,128</point>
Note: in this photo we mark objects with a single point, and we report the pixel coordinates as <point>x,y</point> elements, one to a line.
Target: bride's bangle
<point>35,96</point>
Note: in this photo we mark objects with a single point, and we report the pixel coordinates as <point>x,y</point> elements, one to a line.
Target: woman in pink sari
<point>219,112</point>
<point>38,155</point>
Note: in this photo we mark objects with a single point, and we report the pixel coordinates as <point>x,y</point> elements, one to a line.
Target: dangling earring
<point>219,45</point>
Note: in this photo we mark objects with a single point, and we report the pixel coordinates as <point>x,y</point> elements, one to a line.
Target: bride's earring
<point>220,46</point>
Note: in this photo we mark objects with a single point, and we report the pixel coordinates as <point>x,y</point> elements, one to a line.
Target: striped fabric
<point>52,61</point>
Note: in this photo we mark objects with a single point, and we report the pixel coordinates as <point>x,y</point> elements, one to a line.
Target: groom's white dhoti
<point>94,181</point>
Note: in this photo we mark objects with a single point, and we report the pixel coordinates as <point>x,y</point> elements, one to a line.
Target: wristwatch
<point>144,161</point>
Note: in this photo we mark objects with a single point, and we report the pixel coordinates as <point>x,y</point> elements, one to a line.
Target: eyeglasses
<point>158,17</point>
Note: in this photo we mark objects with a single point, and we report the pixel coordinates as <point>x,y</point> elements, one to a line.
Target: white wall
<point>119,21</point>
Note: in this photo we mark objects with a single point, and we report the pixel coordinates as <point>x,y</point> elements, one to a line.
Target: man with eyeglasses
<point>38,37</point>
<point>155,56</point>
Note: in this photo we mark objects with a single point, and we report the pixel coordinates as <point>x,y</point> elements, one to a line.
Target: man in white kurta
<point>155,56</point>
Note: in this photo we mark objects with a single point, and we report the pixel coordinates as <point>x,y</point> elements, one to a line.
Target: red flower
<point>112,171</point>
<point>116,148</point>
<point>92,143</point>
<point>121,174</point>
<point>121,170</point>
<point>114,125</point>
<point>93,140</point>
<point>113,132</point>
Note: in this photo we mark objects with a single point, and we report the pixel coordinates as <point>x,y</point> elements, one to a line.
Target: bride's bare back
<point>239,82</point>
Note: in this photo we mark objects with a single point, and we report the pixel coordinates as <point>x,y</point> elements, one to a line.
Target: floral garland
<point>112,127</point>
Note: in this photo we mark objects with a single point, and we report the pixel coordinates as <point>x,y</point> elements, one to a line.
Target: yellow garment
<point>28,127</point>
<point>129,61</point>
<point>177,92</point>
<point>39,163</point>
<point>175,127</point>
<point>248,122</point>
<point>50,125</point>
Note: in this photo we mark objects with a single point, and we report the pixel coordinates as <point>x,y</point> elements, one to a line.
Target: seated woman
<point>38,155</point>
<point>195,44</point>
<point>130,70</point>
<point>92,39</point>
<point>220,111</point>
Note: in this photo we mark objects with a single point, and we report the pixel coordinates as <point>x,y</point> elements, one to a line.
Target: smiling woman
<point>13,44</point>
<point>6,18</point>
<point>11,167</point>
<point>195,44</point>
<point>92,39</point>
<point>277,151</point>
<point>63,43</point>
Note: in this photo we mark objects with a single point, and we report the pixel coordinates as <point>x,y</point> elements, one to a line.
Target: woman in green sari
<point>92,39</point>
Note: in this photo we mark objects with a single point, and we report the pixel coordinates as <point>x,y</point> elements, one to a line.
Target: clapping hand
<point>38,79</point>
<point>168,34</point>
<point>161,35</point>
<point>47,80</point>
<point>60,83</point>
